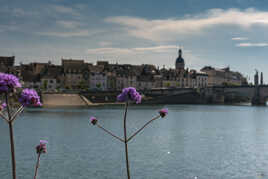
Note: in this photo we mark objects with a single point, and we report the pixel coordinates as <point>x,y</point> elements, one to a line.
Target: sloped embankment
<point>51,100</point>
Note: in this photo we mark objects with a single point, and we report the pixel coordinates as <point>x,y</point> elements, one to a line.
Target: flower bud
<point>41,148</point>
<point>163,112</point>
<point>93,120</point>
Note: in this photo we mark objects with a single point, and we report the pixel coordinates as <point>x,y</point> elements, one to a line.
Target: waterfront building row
<point>79,75</point>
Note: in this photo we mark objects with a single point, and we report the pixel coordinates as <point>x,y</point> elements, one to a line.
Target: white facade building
<point>98,81</point>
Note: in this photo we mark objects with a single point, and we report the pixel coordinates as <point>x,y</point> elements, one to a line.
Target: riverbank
<point>54,100</point>
<point>85,100</point>
<point>70,100</point>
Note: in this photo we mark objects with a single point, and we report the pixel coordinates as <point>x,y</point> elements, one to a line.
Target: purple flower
<point>43,141</point>
<point>29,97</point>
<point>93,120</point>
<point>8,82</point>
<point>42,147</point>
<point>3,106</point>
<point>163,112</point>
<point>129,93</point>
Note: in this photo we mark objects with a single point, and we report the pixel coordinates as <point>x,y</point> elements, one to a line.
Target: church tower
<point>180,62</point>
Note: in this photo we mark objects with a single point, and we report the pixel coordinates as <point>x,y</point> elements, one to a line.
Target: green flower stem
<point>138,131</point>
<point>11,139</point>
<point>4,117</point>
<point>37,165</point>
<point>125,137</point>
<point>13,118</point>
<point>99,126</point>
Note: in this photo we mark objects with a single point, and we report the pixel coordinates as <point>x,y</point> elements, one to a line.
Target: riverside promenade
<point>54,100</point>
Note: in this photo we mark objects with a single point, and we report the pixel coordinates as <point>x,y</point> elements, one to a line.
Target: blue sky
<point>218,33</point>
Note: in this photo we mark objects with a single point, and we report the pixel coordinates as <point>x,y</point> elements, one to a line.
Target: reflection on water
<point>203,141</point>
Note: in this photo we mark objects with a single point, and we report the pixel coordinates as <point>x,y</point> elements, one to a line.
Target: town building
<point>7,63</point>
<point>98,81</point>
<point>76,74</point>
<point>51,78</point>
<point>223,77</point>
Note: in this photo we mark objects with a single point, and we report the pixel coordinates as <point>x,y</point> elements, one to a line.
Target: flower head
<point>29,97</point>
<point>3,106</point>
<point>129,93</point>
<point>93,120</point>
<point>42,147</point>
<point>163,112</point>
<point>8,82</point>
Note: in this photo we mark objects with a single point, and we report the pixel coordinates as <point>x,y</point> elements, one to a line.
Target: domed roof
<point>180,59</point>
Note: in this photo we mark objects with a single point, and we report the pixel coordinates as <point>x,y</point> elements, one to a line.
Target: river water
<point>193,141</point>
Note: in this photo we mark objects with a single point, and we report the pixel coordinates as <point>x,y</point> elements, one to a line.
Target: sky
<point>217,33</point>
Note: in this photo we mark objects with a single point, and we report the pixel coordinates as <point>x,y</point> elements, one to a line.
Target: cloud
<point>17,12</point>
<point>68,24</point>
<point>239,38</point>
<point>105,43</point>
<point>65,10</point>
<point>252,45</point>
<point>76,33</point>
<point>155,49</point>
<point>170,29</point>
<point>161,48</point>
<point>100,51</point>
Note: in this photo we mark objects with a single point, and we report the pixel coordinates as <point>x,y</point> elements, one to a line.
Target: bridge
<point>257,95</point>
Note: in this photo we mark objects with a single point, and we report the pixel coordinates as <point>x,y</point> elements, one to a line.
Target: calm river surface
<point>210,142</point>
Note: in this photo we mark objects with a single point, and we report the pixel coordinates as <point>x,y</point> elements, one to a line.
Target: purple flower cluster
<point>129,93</point>
<point>42,147</point>
<point>3,106</point>
<point>93,120</point>
<point>8,83</point>
<point>29,97</point>
<point>163,112</point>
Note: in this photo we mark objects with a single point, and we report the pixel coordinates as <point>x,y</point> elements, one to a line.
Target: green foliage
<point>44,85</point>
<point>98,85</point>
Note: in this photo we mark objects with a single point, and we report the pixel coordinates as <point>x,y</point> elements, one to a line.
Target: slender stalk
<point>13,118</point>
<point>142,128</point>
<point>110,133</point>
<point>125,137</point>
<point>11,139</point>
<point>37,165</point>
<point>4,117</point>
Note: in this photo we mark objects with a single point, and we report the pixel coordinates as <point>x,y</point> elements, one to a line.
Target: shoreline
<point>142,104</point>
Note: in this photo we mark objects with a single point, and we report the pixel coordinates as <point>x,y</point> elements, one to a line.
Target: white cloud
<point>70,24</point>
<point>17,12</point>
<point>100,51</point>
<point>239,38</point>
<point>76,33</point>
<point>252,45</point>
<point>170,29</point>
<point>161,48</point>
<point>154,49</point>
<point>65,10</point>
<point>105,43</point>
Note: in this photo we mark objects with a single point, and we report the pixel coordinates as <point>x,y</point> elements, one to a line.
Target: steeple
<point>261,78</point>
<point>180,53</point>
<point>179,65</point>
